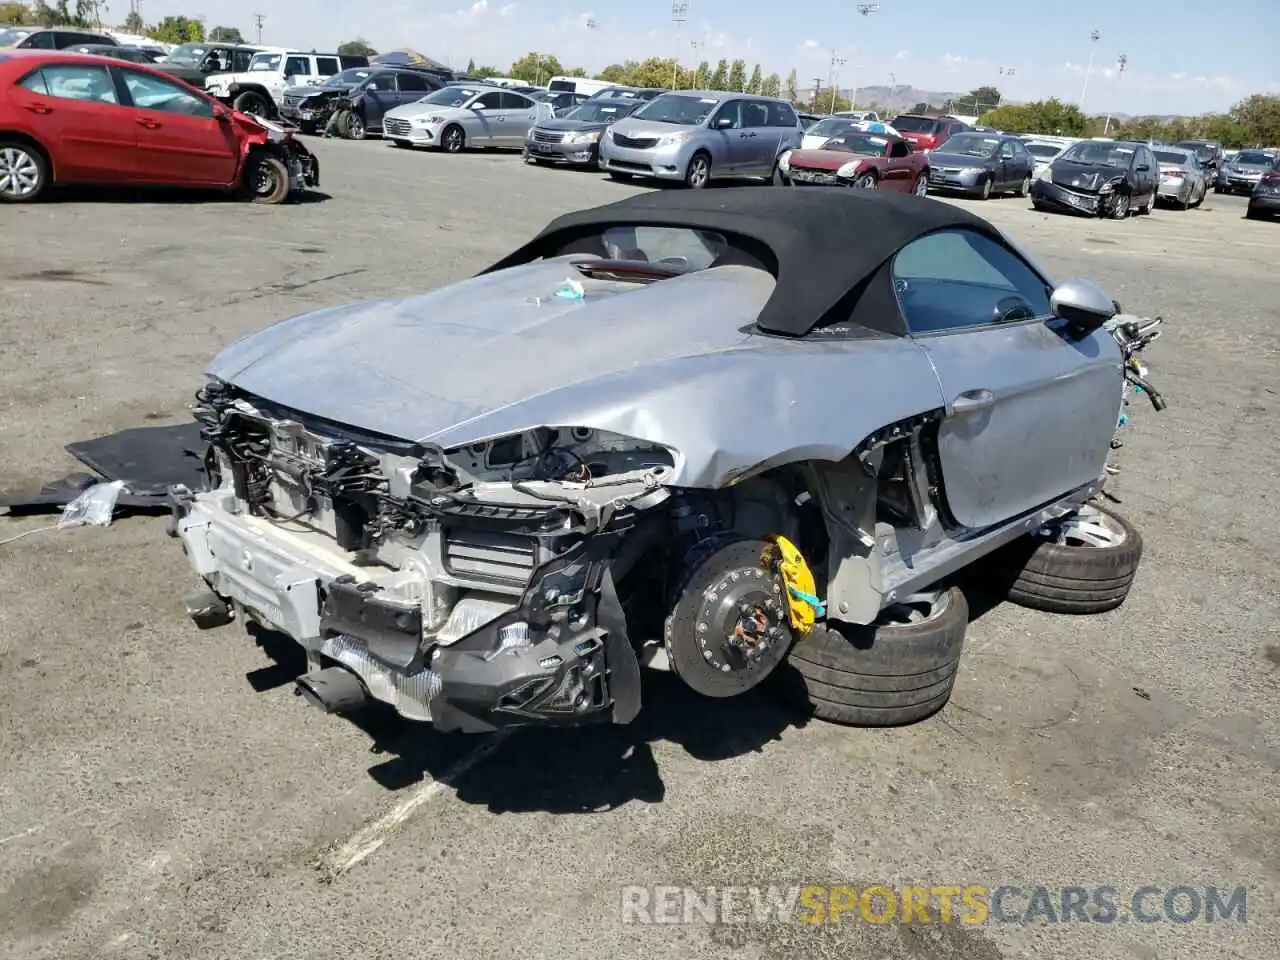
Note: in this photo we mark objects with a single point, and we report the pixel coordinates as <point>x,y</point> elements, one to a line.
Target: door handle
<point>149,124</point>
<point>39,108</point>
<point>751,134</point>
<point>972,401</point>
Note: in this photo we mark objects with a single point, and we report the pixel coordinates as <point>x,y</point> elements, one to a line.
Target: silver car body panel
<point>482,127</point>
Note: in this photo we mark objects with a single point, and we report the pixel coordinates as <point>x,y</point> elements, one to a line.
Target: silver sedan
<point>1182,181</point>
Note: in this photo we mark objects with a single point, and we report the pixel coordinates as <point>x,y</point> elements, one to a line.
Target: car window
<point>76,82</point>
<point>514,101</point>
<point>327,66</point>
<point>240,60</point>
<point>490,101</point>
<point>152,93</point>
<point>754,114</point>
<point>39,41</point>
<point>1006,150</point>
<point>958,279</point>
<point>731,110</point>
<point>899,150</point>
<point>695,249</point>
<point>381,81</point>
<point>781,114</point>
<point>414,83</point>
<point>297,66</point>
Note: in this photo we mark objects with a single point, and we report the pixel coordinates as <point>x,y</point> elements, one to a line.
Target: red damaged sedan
<point>870,161</point>
<point>75,118</point>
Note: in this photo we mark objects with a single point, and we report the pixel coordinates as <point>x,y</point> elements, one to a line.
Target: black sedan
<point>575,137</point>
<point>981,164</point>
<point>1100,178</point>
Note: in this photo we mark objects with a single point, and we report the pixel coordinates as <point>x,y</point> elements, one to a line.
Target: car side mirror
<point>221,113</point>
<point>1082,305</point>
<point>724,123</point>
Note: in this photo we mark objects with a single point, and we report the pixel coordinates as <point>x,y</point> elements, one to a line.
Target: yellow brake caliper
<point>803,605</point>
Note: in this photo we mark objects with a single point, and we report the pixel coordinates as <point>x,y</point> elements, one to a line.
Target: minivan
<point>700,136</point>
<point>925,132</point>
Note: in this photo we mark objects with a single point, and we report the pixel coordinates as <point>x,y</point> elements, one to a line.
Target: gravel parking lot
<point>163,794</point>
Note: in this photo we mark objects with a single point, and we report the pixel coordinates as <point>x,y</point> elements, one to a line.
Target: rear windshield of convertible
<point>685,248</point>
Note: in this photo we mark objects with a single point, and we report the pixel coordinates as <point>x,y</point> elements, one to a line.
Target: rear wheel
<point>24,173</point>
<point>898,670</point>
<point>985,190</point>
<point>699,173</point>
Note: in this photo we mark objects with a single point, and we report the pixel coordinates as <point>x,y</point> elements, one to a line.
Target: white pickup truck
<point>260,89</point>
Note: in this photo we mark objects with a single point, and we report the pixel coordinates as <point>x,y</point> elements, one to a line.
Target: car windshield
<point>613,93</point>
<point>1255,157</point>
<point>832,127</point>
<point>263,62</point>
<point>188,54</point>
<point>864,143</point>
<point>596,112</point>
<point>1098,154</point>
<point>678,108</point>
<point>347,78</point>
<point>915,124</point>
<point>1043,150</point>
<point>970,145</point>
<point>1168,156</point>
<point>9,37</point>
<point>451,96</point>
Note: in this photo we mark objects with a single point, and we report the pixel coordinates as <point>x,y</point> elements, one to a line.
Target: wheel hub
<point>19,174</point>
<point>740,619</point>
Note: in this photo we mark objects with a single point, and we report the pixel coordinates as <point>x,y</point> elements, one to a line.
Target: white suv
<point>260,89</point>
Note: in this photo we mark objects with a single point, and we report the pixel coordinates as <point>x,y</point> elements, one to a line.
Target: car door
<point>1007,171</point>
<point>898,170</point>
<point>180,140</point>
<point>760,140</point>
<point>482,117</point>
<point>412,86</point>
<point>519,114</point>
<point>1029,414</point>
<point>380,94</point>
<point>1150,170</point>
<point>298,71</point>
<point>726,139</point>
<point>75,110</point>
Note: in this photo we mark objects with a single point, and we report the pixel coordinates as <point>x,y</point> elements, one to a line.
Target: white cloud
<point>477,11</point>
<point>811,44</point>
<point>508,10</point>
<point>954,59</point>
<point>902,54</point>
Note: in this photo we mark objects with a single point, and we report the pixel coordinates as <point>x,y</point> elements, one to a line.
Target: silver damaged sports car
<point>744,434</point>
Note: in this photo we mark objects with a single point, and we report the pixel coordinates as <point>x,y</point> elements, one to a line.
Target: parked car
<point>575,138</point>
<point>562,102</point>
<point>458,117</point>
<point>1264,202</point>
<point>1242,174</point>
<point>925,132</point>
<point>980,164</point>
<point>1181,177</point>
<point>1044,152</point>
<point>59,38</point>
<point>499,540</point>
<point>309,107</point>
<point>865,160</point>
<point>1100,178</point>
<point>1208,152</point>
<point>697,137</point>
<point>196,62</point>
<point>580,85</point>
<point>809,120</point>
<point>260,88</point>
<point>859,114</point>
<point>12,36</point>
<point>72,118</point>
<point>625,93</point>
<point>385,89</point>
<point>815,136</point>
<point>131,54</point>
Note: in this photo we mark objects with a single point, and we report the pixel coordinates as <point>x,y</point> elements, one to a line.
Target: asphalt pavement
<point>164,795</point>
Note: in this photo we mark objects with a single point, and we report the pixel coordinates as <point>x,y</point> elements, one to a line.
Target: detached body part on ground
<point>484,542</point>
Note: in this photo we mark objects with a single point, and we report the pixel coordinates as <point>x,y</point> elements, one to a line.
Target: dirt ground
<point>164,795</point>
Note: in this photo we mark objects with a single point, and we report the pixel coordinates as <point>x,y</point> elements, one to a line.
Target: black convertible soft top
<point>824,242</point>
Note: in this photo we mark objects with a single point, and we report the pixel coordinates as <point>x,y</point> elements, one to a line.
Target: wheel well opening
<point>29,141</point>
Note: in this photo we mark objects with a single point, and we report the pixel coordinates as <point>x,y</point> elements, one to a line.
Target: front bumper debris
<point>1051,195</point>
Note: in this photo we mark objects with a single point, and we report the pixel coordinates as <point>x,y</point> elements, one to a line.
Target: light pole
<point>1094,37</point>
<point>697,69</point>
<point>837,62</point>
<point>817,89</point>
<point>866,10</point>
<point>679,16</point>
<point>1003,72</point>
<point>1121,63</point>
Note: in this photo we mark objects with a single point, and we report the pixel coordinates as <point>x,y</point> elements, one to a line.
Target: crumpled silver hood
<point>673,363</point>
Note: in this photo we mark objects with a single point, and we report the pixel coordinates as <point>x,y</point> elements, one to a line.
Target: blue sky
<point>1181,57</point>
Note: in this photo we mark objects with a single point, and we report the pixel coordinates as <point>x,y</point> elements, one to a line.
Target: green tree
<point>484,72</point>
<point>226,35</point>
<point>16,14</point>
<point>925,109</point>
<point>356,48</point>
<point>977,101</point>
<point>702,74</point>
<point>133,23</point>
<point>792,89</point>
<point>471,67</point>
<point>178,30</point>
<point>720,78</point>
<point>737,76</point>
<point>753,83</point>
<point>1259,119</point>
<point>618,72</point>
<point>536,67</point>
<point>772,86</point>
<point>576,72</point>
<point>1052,117</point>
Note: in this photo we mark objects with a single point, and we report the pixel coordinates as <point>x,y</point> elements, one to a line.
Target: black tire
<point>1252,213</point>
<point>308,127</point>
<point>254,103</point>
<point>20,164</point>
<point>921,188</point>
<point>985,189</point>
<point>1066,578</point>
<point>884,675</point>
<point>352,126</point>
<point>776,178</point>
<point>619,177</point>
<point>1024,189</point>
<point>722,580</point>
<point>868,181</point>
<point>453,139</point>
<point>699,173</point>
<point>266,179</point>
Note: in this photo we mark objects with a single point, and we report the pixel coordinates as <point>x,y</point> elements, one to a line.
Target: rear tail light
<point>1172,174</point>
